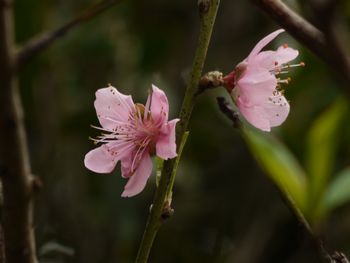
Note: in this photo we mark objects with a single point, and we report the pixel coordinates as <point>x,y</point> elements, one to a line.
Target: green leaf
<point>279,164</point>
<point>338,192</point>
<point>322,142</point>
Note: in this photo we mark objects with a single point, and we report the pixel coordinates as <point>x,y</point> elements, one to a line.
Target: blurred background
<point>226,207</point>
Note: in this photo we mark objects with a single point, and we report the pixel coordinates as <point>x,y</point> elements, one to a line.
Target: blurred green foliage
<point>280,164</point>
<point>225,208</point>
<point>311,195</point>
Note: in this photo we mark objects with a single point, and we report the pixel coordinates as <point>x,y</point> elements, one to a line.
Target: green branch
<point>207,13</point>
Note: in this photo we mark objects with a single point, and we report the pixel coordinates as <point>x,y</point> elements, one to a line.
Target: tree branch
<point>14,159</point>
<point>39,43</point>
<point>322,45</point>
<point>207,12</point>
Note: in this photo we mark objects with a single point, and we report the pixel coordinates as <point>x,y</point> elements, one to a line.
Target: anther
<point>301,64</point>
<point>286,81</point>
<point>93,140</point>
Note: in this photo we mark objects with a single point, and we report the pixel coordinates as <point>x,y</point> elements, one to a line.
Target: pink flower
<point>255,86</point>
<point>132,132</point>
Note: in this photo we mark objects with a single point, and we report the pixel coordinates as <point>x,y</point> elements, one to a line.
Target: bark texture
<point>14,159</point>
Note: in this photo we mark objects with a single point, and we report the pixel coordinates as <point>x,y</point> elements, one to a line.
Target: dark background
<point>226,209</point>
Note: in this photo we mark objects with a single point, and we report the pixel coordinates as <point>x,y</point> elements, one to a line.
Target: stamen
<point>301,64</point>
<point>286,81</point>
<point>100,128</point>
<point>138,155</point>
<point>148,105</point>
<point>95,141</point>
<point>280,69</point>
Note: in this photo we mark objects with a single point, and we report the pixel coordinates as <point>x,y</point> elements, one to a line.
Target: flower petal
<point>276,110</point>
<point>137,181</point>
<point>159,106</point>
<point>166,143</point>
<point>272,59</point>
<point>112,107</point>
<point>255,116</point>
<point>263,42</point>
<point>286,54</point>
<point>100,160</point>
<point>126,164</point>
<point>255,86</point>
<point>270,113</point>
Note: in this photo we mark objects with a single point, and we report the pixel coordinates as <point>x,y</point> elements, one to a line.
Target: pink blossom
<point>131,134</point>
<point>255,85</point>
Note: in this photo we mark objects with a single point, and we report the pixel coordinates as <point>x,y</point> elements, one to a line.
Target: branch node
<point>203,6</point>
<point>37,184</point>
<point>211,80</point>
<point>167,211</point>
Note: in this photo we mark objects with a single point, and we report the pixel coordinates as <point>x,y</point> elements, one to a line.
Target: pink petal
<point>123,151</point>
<point>99,160</point>
<point>271,113</point>
<point>276,110</point>
<point>286,54</point>
<point>255,86</point>
<point>126,164</point>
<point>272,59</point>
<point>166,143</point>
<point>137,182</point>
<point>159,105</point>
<point>263,42</point>
<point>112,107</point>
<point>255,116</point>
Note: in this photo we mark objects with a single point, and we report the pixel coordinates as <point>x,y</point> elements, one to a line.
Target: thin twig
<point>39,43</point>
<point>301,29</point>
<point>14,158</point>
<point>207,12</point>
<point>228,111</point>
<point>2,241</point>
<point>310,36</point>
